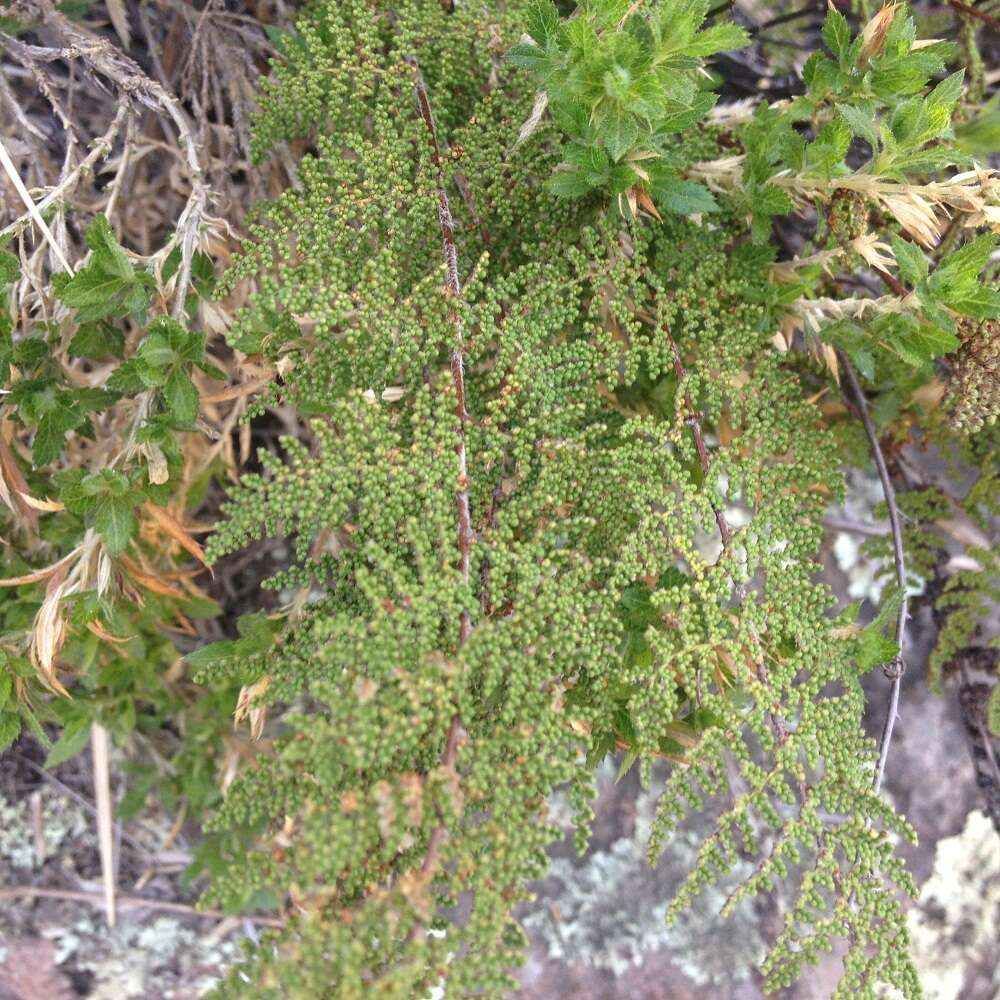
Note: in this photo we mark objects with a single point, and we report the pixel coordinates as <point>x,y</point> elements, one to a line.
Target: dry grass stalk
<point>100,752</point>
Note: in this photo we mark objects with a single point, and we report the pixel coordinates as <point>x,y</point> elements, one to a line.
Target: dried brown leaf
<point>49,506</point>
<point>148,580</point>
<point>874,34</point>
<point>48,633</point>
<point>102,633</point>
<point>172,527</point>
<point>13,486</point>
<point>245,709</point>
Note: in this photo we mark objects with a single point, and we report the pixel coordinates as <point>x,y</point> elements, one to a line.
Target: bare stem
<point>894,671</point>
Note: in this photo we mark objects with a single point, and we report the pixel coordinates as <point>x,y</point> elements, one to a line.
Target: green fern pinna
<point>562,495</point>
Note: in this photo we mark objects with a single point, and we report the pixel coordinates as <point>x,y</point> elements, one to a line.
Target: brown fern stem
<point>694,422</point>
<point>457,364</point>
<point>457,361</point>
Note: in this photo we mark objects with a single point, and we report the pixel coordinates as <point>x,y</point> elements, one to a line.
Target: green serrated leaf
<point>156,351</point>
<point>115,522</point>
<point>92,288</point>
<point>49,439</point>
<point>108,285</point>
<point>873,648</point>
<point>542,21</point>
<point>934,341</point>
<point>259,629</point>
<point>718,38</point>
<point>28,352</point>
<point>212,371</point>
<point>181,397</point>
<point>947,93</point>
<point>10,729</point>
<point>822,75</point>
<point>98,342</point>
<point>35,727</point>
<point>861,122</point>
<point>961,269</point>
<point>979,302</point>
<point>126,378</point>
<point>531,57</point>
<point>980,136</point>
<point>100,237</point>
<point>684,197</point>
<point>10,268</point>
<point>215,654</point>
<point>913,265</point>
<point>617,129</point>
<point>570,183</point>
<point>628,759</point>
<point>771,200</point>
<point>86,607</point>
<point>837,34</point>
<point>74,738</point>
<point>864,361</point>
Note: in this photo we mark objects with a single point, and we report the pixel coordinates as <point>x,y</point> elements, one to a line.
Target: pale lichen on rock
<point>611,907</point>
<point>955,928</point>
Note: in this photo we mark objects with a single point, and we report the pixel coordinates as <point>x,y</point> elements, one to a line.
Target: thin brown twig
<point>27,126</point>
<point>855,527</point>
<point>894,671</point>
<point>440,152</point>
<point>80,800</point>
<point>126,902</point>
<point>11,170</point>
<point>984,736</point>
<point>980,15</point>
<point>898,288</point>
<point>778,726</point>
